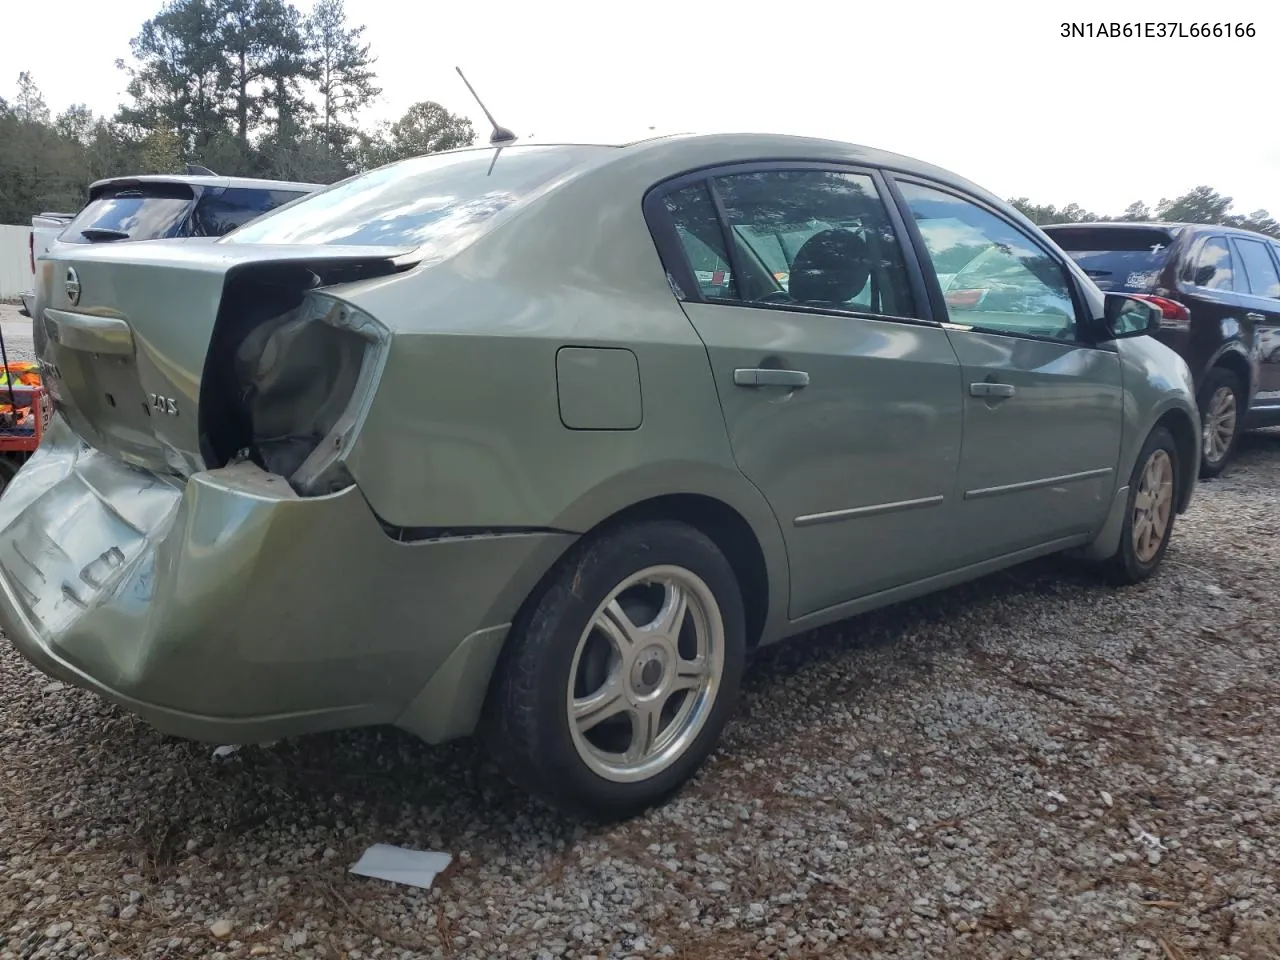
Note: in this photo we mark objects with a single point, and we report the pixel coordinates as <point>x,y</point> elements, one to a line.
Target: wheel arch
<point>1182,421</point>
<point>1186,436</point>
<point>715,499</point>
<point>1232,357</point>
<point>729,530</point>
<point>746,532</point>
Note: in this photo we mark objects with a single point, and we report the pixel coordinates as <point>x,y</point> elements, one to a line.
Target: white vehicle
<point>196,204</point>
<point>45,228</point>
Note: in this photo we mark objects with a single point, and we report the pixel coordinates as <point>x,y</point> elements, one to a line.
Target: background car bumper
<point>227,608</point>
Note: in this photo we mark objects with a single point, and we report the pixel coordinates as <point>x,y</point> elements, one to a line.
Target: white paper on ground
<point>417,868</point>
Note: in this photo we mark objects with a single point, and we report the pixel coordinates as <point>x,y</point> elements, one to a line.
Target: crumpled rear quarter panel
<point>228,605</point>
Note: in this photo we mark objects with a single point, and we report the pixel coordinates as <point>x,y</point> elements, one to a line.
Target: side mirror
<point>1125,316</point>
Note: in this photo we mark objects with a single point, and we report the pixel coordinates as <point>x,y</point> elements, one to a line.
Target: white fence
<point>15,261</point>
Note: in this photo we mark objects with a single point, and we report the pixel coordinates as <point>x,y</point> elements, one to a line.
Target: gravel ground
<point>17,333</point>
<point>1030,766</point>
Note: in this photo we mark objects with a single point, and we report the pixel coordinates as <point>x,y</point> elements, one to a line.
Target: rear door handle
<point>1256,317</point>
<point>991,390</point>
<point>765,377</point>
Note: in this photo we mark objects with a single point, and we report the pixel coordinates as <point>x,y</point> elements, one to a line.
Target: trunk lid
<point>123,331</point>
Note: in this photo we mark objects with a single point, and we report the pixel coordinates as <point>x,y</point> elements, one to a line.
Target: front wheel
<point>621,676</point>
<point>1152,508</point>
<point>1220,419</point>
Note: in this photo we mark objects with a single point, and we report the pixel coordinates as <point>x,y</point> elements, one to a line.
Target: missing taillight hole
<point>297,375</point>
<point>286,370</point>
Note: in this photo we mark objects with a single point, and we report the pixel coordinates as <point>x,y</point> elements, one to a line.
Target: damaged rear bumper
<point>227,608</point>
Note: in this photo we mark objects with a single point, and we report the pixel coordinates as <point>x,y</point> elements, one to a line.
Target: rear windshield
<point>1117,258</point>
<point>134,212</point>
<point>417,202</point>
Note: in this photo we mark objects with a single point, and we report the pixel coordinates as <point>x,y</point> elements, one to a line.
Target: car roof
<point>251,183</point>
<point>688,151</point>
<point>1172,227</point>
<point>591,171</point>
<point>788,146</point>
<point>1168,226</point>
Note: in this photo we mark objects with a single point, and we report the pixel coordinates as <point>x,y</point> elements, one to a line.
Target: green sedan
<point>541,442</point>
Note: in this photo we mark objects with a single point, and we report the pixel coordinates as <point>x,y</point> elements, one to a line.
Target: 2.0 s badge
<point>161,404</point>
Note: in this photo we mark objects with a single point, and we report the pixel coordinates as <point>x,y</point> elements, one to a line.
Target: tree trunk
<point>328,100</point>
<point>242,103</point>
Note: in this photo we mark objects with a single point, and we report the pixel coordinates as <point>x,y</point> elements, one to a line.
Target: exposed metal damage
<point>286,390</point>
<point>303,376</point>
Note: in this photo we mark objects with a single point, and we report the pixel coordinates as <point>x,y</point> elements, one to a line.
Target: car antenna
<point>195,170</point>
<point>501,135</point>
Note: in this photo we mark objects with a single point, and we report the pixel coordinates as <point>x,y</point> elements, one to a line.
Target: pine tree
<point>342,69</point>
<point>177,84</point>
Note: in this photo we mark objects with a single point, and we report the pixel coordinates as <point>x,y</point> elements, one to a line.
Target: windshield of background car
<point>441,197</point>
<point>150,211</point>
<point>1126,260</point>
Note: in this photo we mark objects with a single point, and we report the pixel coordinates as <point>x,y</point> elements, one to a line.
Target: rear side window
<point>698,227</point>
<point>1260,273</point>
<point>149,211</point>
<point>1122,259</point>
<point>440,198</point>
<point>1213,268</point>
<point>221,211</point>
<point>813,238</point>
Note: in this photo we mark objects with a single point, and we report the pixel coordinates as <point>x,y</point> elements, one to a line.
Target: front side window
<point>993,277</point>
<point>813,238</point>
<point>1259,268</point>
<point>1214,268</point>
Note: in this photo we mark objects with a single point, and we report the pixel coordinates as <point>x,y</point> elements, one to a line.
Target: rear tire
<point>1152,507</point>
<point>620,676</point>
<point>1221,416</point>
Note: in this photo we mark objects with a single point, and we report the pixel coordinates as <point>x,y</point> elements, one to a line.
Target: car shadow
<point>1259,443</point>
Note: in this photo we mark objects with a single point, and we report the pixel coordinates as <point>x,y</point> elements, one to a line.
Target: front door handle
<point>991,390</point>
<point>766,377</point>
<point>1256,317</point>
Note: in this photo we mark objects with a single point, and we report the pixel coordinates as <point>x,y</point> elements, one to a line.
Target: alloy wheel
<point>645,674</point>
<point>1153,506</point>
<point>1219,424</point>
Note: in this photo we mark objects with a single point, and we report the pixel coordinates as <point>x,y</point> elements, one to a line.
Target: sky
<point>986,88</point>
